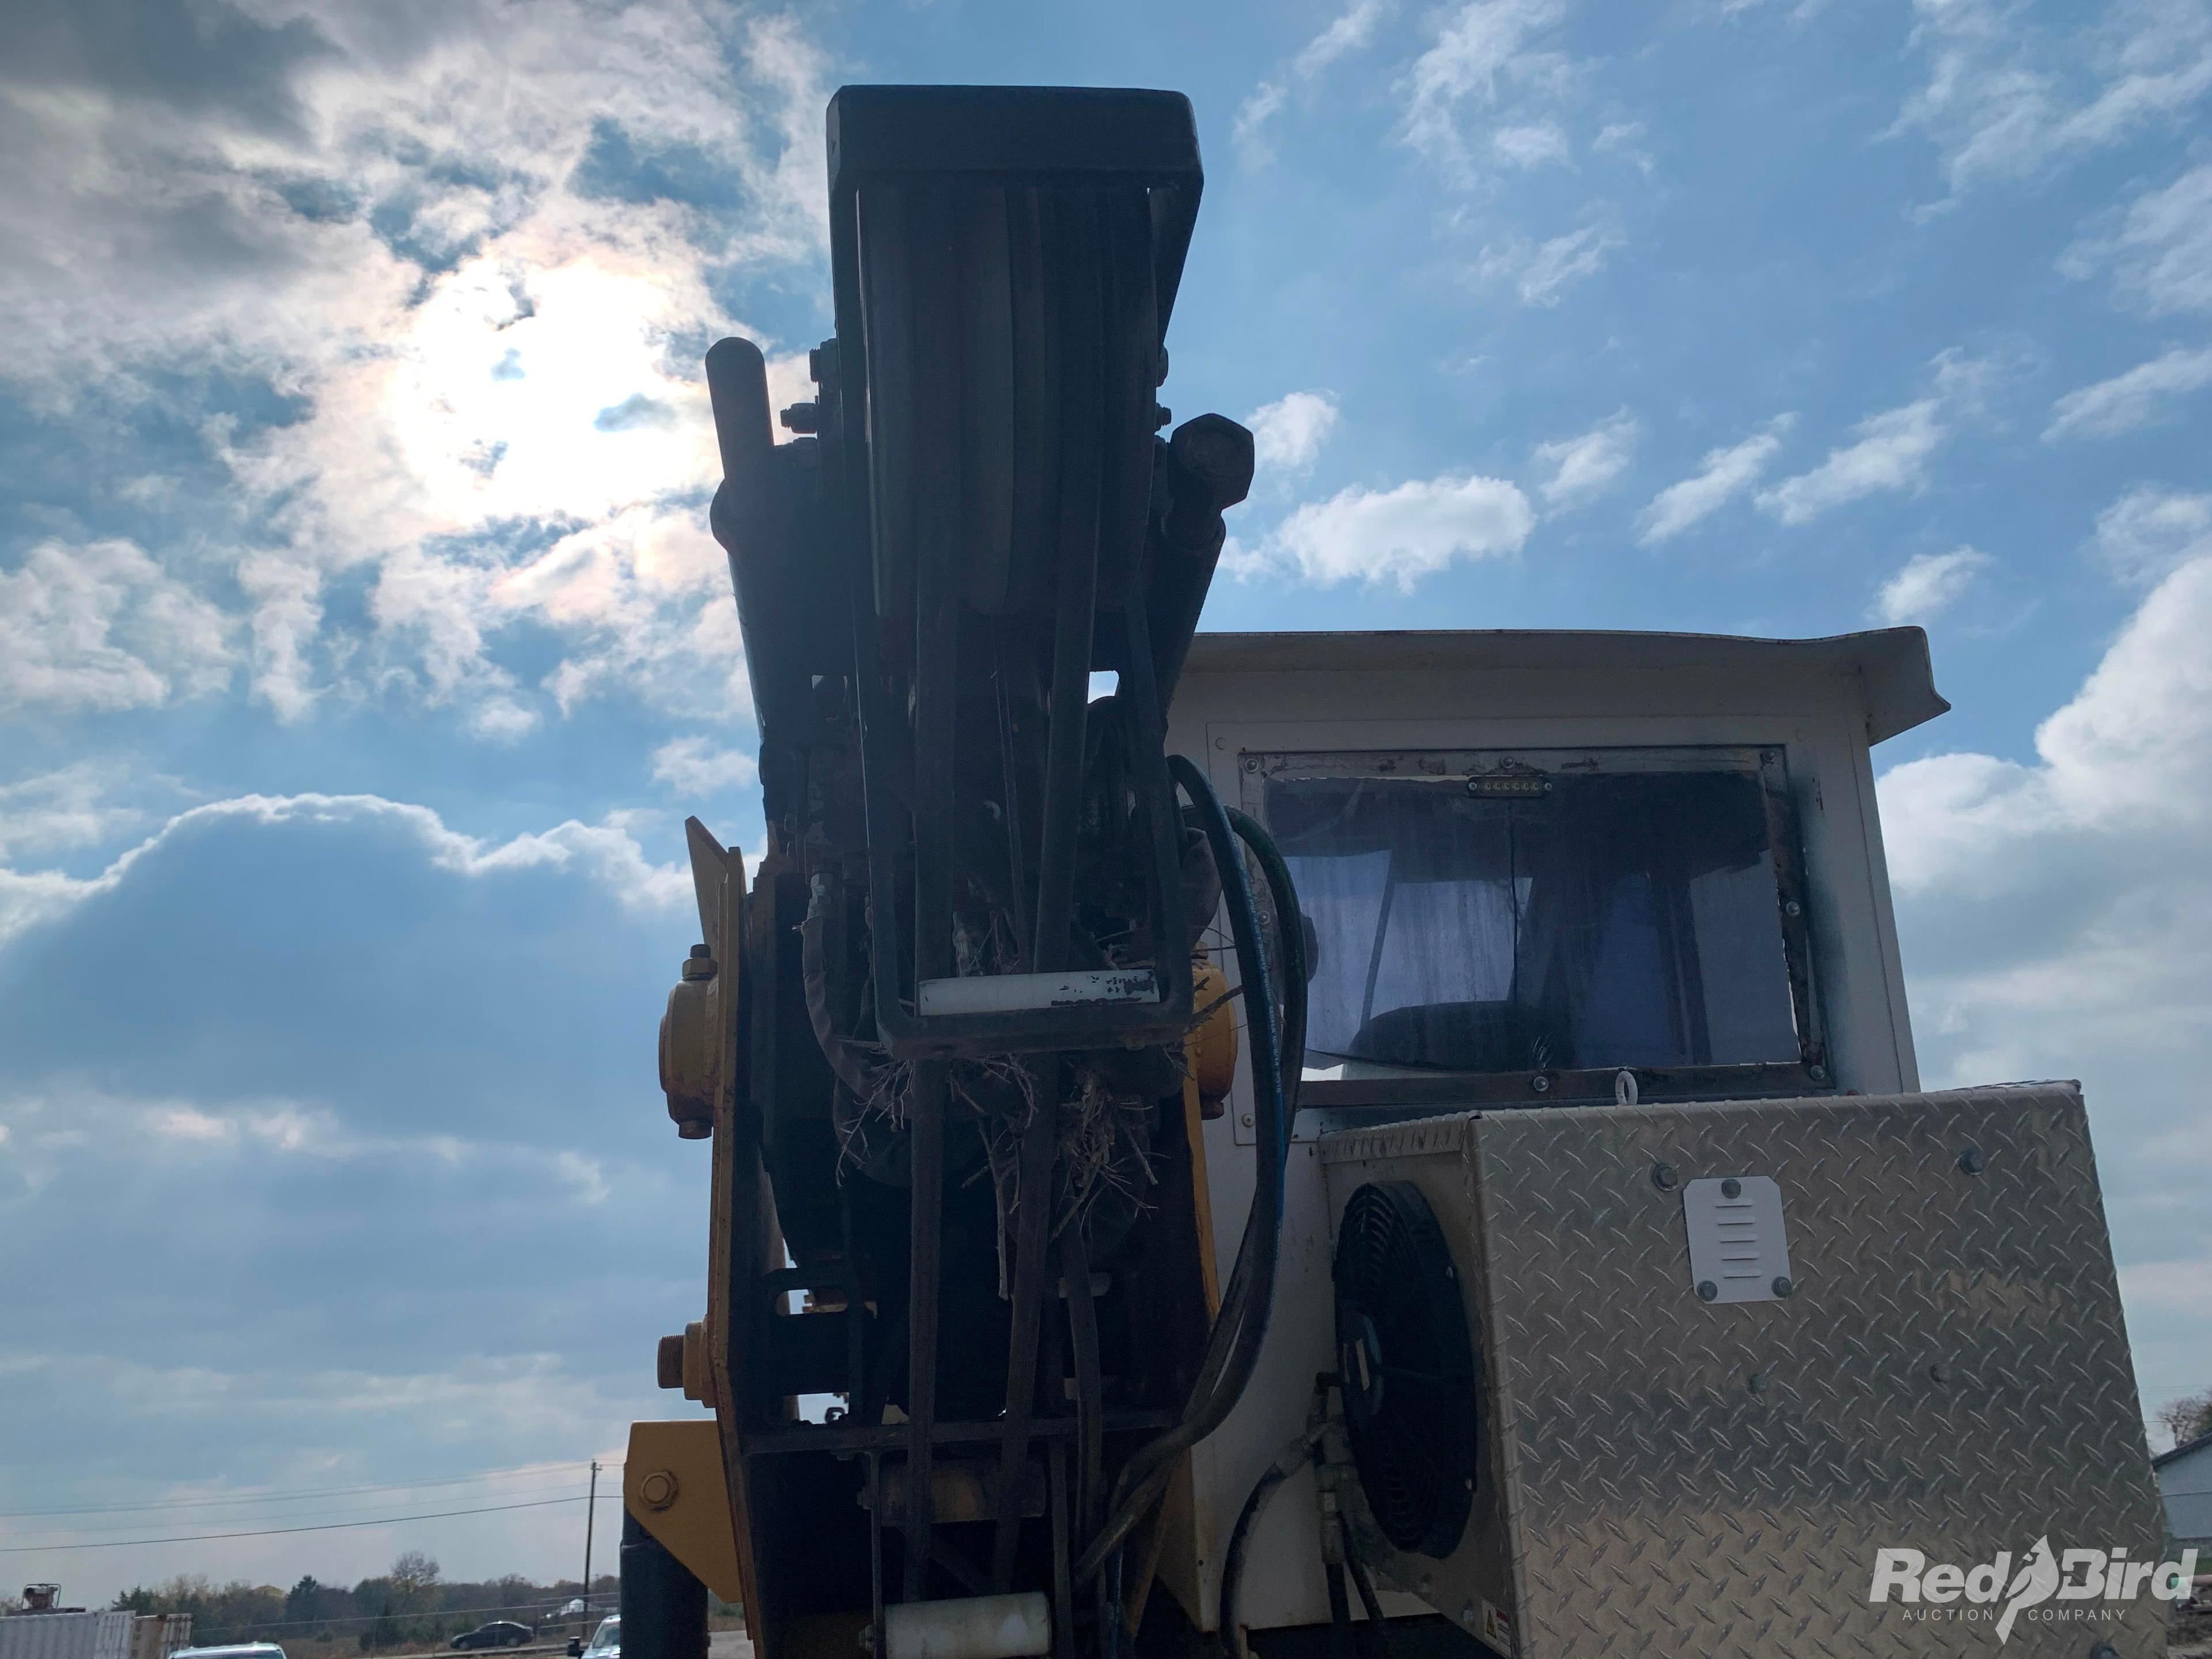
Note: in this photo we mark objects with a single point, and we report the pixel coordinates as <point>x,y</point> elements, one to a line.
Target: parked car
<point>606,1642</point>
<point>499,1633</point>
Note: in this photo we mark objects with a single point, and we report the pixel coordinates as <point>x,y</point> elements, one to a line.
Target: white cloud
<point>2055,918</point>
<point>79,806</point>
<point>415,254</point>
<point>1347,32</point>
<point>1585,467</point>
<point>1892,449</point>
<point>100,626</point>
<point>1928,584</point>
<point>1289,433</point>
<point>1541,271</point>
<point>1892,453</point>
<point>2161,255</point>
<point>1485,54</point>
<point>2006,98</point>
<point>2149,532</point>
<point>1624,139</point>
<point>1396,535</point>
<point>698,766</point>
<point>1723,476</point>
<point>607,853</point>
<point>2129,400</point>
<point>1531,144</point>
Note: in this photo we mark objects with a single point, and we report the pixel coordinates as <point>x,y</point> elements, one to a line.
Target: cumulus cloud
<point>2007,97</point>
<point>1928,584</point>
<point>2130,400</point>
<point>101,626</point>
<point>1394,536</point>
<point>2160,256</point>
<point>452,248</point>
<point>2056,917</point>
<point>1585,467</point>
<point>1288,433</point>
<point>607,853</point>
<point>1723,475</point>
<point>1350,31</point>
<point>1892,452</point>
<point>2149,532</point>
<point>700,766</point>
<point>1541,272</point>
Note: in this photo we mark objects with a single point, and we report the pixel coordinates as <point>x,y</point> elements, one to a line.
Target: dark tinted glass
<point>1624,918</point>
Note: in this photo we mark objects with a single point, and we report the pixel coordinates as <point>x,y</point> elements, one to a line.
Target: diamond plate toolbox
<point>1944,1368</point>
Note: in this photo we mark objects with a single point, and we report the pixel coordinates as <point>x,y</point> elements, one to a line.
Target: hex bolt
<point>1973,1160</point>
<point>1783,1287</point>
<point>658,1489</point>
<point>1663,1177</point>
<point>1541,1083</point>
<point>1707,1291</point>
<point>1731,1188</point>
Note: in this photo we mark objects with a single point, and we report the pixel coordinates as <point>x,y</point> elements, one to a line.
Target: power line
<point>296,1495</point>
<point>340,1511</point>
<point>271,1532</point>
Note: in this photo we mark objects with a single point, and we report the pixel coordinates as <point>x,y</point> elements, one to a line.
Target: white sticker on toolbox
<point>1739,1251</point>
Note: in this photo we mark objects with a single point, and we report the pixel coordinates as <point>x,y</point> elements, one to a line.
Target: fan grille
<point>1412,1407</point>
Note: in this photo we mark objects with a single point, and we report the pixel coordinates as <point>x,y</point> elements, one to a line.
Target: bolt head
<point>1939,1372</point>
<point>1541,1083</point>
<point>1757,1382</point>
<point>658,1489</point>
<point>1663,1177</point>
<point>1818,1073</point>
<point>1783,1287</point>
<point>1707,1291</point>
<point>1793,909</point>
<point>1731,1188</point>
<point>1973,1160</point>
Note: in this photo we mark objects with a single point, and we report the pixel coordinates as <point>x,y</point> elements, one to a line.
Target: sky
<point>362,646</point>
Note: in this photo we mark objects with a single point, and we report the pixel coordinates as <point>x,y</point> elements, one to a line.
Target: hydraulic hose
<point>1288,1461</point>
<point>1240,1329</point>
<point>1291,933</point>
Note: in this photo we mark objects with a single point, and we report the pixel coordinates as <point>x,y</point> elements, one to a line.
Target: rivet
<point>1939,1372</point>
<point>1783,1287</point>
<point>1818,1073</point>
<point>1792,908</point>
<point>1707,1291</point>
<point>1973,1160</point>
<point>1757,1382</point>
<point>1541,1083</point>
<point>1663,1177</point>
<point>1731,1188</point>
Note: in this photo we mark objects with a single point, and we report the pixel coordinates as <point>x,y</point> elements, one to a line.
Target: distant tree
<point>414,1576</point>
<point>2188,1419</point>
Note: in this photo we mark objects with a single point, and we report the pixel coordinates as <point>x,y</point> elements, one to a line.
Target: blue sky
<point>362,646</point>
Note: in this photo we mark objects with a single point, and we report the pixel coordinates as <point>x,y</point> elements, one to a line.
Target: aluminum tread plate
<point>1660,1504</point>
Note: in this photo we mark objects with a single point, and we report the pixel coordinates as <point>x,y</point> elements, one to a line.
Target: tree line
<point>411,1605</point>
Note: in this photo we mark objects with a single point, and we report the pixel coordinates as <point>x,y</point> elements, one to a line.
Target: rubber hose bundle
<point>1240,1329</point>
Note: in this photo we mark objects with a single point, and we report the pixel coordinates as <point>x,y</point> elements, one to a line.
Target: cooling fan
<point>1407,1367</point>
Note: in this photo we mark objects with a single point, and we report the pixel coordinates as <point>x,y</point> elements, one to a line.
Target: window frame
<point>1812,1072</point>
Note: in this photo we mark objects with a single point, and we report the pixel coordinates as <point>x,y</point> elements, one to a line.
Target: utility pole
<point>590,1508</point>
